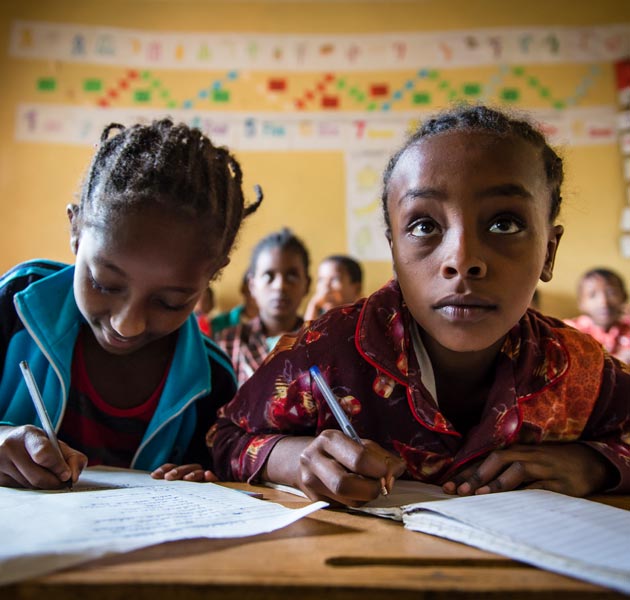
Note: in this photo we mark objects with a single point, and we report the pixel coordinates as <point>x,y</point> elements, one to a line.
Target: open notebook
<point>572,536</point>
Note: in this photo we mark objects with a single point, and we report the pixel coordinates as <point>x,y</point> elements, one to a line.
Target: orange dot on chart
<point>309,95</point>
<point>320,87</point>
<point>299,104</point>
<point>112,94</point>
<point>104,103</point>
<point>123,84</point>
<point>329,77</point>
<point>132,74</point>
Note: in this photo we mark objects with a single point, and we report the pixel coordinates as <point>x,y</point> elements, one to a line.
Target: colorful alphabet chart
<point>358,94</point>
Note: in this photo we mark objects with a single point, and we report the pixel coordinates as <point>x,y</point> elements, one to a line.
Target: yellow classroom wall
<point>304,188</point>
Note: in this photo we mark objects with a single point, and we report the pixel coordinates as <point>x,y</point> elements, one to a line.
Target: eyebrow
<point>514,190</point>
<point>424,192</point>
<point>119,271</point>
<point>509,190</point>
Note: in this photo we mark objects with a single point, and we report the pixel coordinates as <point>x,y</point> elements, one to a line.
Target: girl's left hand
<point>572,469</point>
<point>195,472</point>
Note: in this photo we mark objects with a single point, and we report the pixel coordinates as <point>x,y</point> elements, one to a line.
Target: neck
<point>274,327</point>
<point>469,369</point>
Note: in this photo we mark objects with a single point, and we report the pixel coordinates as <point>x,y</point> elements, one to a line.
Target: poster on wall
<point>358,94</point>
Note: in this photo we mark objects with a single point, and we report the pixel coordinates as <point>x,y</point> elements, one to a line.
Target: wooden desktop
<point>333,555</point>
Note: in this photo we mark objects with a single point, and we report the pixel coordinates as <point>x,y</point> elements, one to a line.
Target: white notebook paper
<point>114,510</point>
<point>571,536</point>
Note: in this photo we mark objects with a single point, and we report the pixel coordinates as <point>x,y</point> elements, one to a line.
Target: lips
<point>116,341</point>
<point>465,308</point>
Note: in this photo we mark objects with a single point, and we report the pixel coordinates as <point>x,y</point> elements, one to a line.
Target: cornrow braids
<point>284,239</point>
<point>482,118</point>
<point>167,165</point>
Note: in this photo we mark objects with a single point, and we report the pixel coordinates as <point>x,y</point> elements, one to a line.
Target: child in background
<point>444,372</point>
<point>202,311</point>
<point>127,378</point>
<point>339,281</point>
<point>242,313</point>
<point>278,282</point>
<point>602,297</point>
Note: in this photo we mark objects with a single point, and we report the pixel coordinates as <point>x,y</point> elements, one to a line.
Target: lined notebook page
<point>572,536</point>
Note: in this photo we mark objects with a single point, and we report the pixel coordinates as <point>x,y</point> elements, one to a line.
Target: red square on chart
<point>277,85</point>
<point>622,70</point>
<point>379,89</point>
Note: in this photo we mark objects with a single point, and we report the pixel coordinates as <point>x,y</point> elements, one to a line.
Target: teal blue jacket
<point>40,321</point>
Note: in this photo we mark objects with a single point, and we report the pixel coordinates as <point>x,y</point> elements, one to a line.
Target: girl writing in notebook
<point>127,378</point>
<point>444,373</point>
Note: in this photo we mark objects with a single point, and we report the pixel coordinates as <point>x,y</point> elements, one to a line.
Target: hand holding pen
<point>356,470</point>
<point>31,458</point>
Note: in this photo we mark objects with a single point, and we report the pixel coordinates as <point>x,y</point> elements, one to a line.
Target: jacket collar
<point>532,357</point>
<point>50,313</point>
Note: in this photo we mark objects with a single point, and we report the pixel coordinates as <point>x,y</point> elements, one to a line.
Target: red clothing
<point>204,324</point>
<point>552,383</point>
<point>106,434</point>
<point>247,345</point>
<point>616,340</point>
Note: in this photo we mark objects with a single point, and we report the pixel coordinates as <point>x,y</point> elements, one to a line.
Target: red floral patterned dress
<point>552,383</point>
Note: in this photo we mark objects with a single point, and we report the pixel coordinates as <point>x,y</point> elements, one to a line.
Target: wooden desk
<point>331,555</point>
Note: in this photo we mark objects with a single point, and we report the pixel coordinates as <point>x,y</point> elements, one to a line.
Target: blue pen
<point>338,412</point>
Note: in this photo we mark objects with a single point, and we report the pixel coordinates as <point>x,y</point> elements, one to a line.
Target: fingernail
<point>65,475</point>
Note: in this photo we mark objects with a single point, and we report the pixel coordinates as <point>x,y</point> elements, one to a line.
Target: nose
<point>463,256</point>
<point>129,320</point>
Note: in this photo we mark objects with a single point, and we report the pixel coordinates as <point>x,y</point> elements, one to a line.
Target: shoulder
<point>22,275</point>
<point>547,351</point>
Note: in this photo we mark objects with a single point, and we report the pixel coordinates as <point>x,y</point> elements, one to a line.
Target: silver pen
<point>42,413</point>
<point>338,412</point>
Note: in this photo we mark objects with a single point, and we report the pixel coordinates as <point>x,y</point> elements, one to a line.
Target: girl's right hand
<point>335,468</point>
<point>29,460</point>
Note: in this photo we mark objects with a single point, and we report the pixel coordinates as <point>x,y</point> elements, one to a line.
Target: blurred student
<point>339,281</point>
<point>278,281</point>
<point>601,297</point>
<point>242,313</point>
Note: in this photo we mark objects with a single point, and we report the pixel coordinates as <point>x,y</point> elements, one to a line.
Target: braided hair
<point>172,166</point>
<point>285,240</point>
<point>482,118</point>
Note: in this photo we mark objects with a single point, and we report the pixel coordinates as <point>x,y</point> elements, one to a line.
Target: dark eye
<point>102,289</point>
<point>506,225</point>
<point>424,228</point>
<point>173,307</point>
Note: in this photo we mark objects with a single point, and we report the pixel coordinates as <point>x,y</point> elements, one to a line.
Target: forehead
<point>599,283</point>
<point>151,239</point>
<point>470,158</point>
<point>277,258</point>
<point>331,268</point>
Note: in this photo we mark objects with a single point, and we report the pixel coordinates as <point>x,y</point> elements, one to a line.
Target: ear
<point>388,235</point>
<point>72,210</point>
<point>552,247</point>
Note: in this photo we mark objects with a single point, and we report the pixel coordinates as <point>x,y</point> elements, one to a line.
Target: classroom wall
<point>307,188</point>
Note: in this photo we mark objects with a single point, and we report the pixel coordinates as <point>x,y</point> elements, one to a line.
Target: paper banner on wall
<point>63,124</point>
<point>289,52</point>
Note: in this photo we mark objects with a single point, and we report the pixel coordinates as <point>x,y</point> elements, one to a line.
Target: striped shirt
<point>108,435</point>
